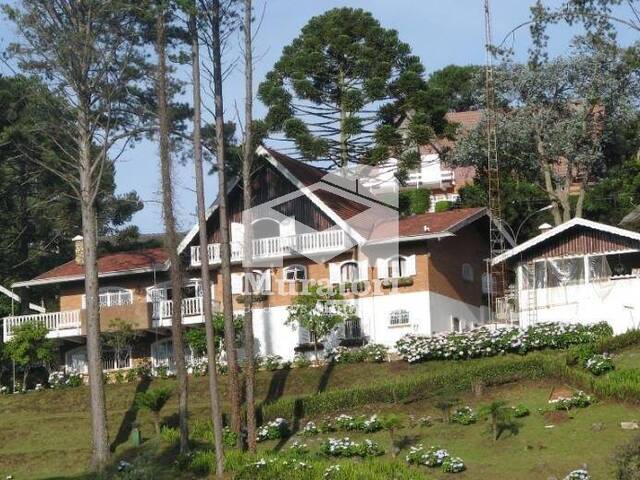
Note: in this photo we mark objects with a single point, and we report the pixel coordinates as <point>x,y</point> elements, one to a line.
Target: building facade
<point>420,274</point>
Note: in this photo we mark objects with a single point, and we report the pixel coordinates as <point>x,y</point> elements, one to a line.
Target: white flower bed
<point>273,430</point>
<point>599,364</point>
<point>435,457</point>
<point>310,429</point>
<point>345,447</point>
<point>486,343</point>
<point>62,379</point>
<point>577,400</point>
<point>580,474</point>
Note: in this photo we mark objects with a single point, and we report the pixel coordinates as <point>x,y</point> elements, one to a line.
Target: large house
<point>419,274</point>
<point>580,272</point>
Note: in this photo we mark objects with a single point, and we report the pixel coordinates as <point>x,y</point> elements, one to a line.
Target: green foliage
<point>170,435</point>
<point>579,354</point>
<point>414,201</point>
<point>449,378</point>
<point>342,78</point>
<point>443,206</point>
<point>29,347</point>
<point>345,447</point>
<point>618,342</point>
<point>600,364</point>
<point>319,310</point>
<point>153,399</point>
<point>458,87</point>
<point>627,460</point>
<point>500,417</point>
<point>520,411</point>
<point>301,361</point>
<point>464,416</point>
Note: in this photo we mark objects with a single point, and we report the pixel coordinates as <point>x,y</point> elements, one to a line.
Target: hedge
<point>455,377</point>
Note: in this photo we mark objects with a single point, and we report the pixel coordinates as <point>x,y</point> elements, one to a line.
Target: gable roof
<point>575,222</point>
<point>109,265</point>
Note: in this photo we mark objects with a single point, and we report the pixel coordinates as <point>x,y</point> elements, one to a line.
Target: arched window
<point>265,228</point>
<point>349,272</point>
<point>294,273</point>
<point>397,267</point>
<point>467,272</point>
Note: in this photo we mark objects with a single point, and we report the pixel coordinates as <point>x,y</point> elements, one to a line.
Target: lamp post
<point>517,232</point>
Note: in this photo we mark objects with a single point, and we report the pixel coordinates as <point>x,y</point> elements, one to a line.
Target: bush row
<point>454,377</point>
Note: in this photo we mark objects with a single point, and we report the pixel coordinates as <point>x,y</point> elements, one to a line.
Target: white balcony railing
<point>60,324</point>
<point>112,299</point>
<point>304,243</point>
<point>192,311</point>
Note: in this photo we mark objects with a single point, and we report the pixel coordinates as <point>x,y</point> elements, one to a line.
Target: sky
<point>440,32</point>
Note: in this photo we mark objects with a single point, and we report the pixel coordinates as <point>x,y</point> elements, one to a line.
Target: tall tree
<point>171,234</point>
<point>561,114</point>
<point>457,88</point>
<point>88,51</point>
<point>348,90</point>
<point>247,160</point>
<point>217,19</point>
<point>214,395</point>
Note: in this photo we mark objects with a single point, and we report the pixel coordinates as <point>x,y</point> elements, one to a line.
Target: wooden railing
<point>56,322</point>
<point>304,243</point>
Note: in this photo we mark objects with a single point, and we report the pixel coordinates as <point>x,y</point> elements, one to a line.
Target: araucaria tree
<point>88,52</point>
<point>162,15</point>
<point>348,90</point>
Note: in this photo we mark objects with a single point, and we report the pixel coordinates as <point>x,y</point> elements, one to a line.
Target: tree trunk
<point>249,363</point>
<point>100,439</point>
<point>225,248</point>
<point>171,237</point>
<point>214,395</point>
<point>25,375</point>
<point>548,180</point>
<point>156,422</point>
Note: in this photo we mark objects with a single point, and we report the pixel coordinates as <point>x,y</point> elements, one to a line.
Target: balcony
<point>273,247</point>
<point>192,312</point>
<point>60,324</point>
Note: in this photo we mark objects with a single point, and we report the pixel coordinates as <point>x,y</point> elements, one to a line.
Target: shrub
<point>579,354</point>
<point>273,430</point>
<point>271,362</point>
<point>464,416</point>
<point>357,424</point>
<point>154,401</point>
<point>419,455</point>
<point>170,435</point>
<point>453,465</point>
<point>346,355</point>
<point>298,448</point>
<point>415,201</point>
<point>577,400</point>
<point>345,447</point>
<point>202,462</point>
<point>614,344</point>
<point>310,429</point>
<point>599,364</point>
<point>520,411</point>
<point>486,343</point>
<point>578,475</point>
<point>301,361</point>
<point>62,379</point>
<point>374,353</point>
<point>627,459</point>
<point>443,206</point>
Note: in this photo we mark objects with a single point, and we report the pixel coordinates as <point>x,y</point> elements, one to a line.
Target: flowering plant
<point>578,475</point>
<point>331,471</point>
<point>299,448</point>
<point>483,342</point>
<point>271,362</point>
<point>453,465</point>
<point>273,430</point>
<point>599,364</point>
<point>62,379</point>
<point>300,361</point>
<point>198,367</point>
<point>310,429</point>
<point>4,390</point>
<point>419,455</point>
<point>360,423</point>
<point>520,411</point>
<point>577,400</point>
<point>464,416</point>
<point>345,447</point>
<point>374,353</point>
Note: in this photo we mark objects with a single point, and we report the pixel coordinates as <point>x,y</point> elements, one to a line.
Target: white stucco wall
<point>616,302</point>
<point>443,309</point>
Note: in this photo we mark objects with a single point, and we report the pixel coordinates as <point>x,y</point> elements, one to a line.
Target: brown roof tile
<point>111,263</point>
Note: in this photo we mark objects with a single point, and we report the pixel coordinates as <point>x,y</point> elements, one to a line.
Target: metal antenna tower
<point>496,239</point>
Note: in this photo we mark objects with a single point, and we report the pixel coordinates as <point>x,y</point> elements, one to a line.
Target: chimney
<point>544,227</point>
<point>79,249</point>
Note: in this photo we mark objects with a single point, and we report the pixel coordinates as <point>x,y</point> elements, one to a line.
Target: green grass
<point>46,434</point>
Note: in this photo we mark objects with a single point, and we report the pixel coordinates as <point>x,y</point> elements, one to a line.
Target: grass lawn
<point>46,434</point>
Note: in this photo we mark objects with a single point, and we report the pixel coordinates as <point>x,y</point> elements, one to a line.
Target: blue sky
<point>440,32</point>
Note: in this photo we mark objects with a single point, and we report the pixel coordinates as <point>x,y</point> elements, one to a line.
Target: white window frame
<point>294,268</point>
<point>353,264</point>
<point>106,294</point>
<point>399,318</point>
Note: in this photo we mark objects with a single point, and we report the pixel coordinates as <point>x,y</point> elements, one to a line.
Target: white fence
<point>56,322</point>
<point>304,243</point>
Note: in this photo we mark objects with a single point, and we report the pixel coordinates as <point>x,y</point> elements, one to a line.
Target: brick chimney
<point>79,249</point>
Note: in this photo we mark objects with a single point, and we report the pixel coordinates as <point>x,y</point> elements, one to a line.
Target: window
<point>455,324</point>
<point>467,272</point>
<point>557,272</point>
<point>294,273</point>
<point>599,268</point>
<point>77,359</point>
<point>397,267</point>
<point>399,317</point>
<point>111,297</point>
<point>349,272</point>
